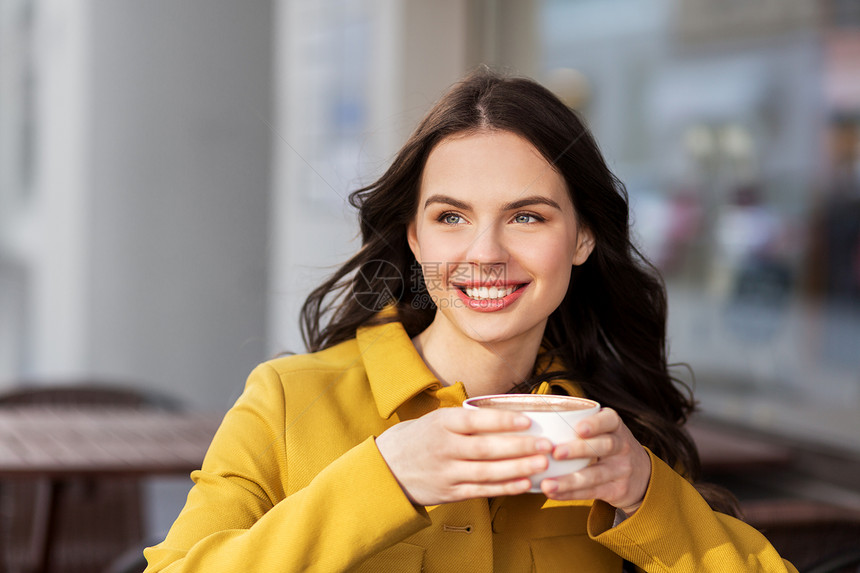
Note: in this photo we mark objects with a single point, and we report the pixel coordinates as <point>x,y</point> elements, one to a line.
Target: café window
<point>739,149</point>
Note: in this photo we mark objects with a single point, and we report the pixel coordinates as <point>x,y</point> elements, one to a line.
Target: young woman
<point>514,273</point>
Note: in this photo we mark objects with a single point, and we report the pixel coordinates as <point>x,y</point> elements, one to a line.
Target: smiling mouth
<point>489,293</point>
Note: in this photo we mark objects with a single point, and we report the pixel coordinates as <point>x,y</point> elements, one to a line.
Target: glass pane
<point>736,132</point>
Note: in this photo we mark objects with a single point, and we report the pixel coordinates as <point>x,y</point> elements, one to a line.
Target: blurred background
<point>173,178</point>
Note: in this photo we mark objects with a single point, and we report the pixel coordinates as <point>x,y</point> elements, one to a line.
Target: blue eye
<point>450,218</point>
<point>527,218</point>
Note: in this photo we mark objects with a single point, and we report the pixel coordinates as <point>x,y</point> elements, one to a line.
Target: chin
<point>498,329</point>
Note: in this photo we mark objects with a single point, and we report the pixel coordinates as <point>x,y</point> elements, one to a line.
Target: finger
<point>606,483</point>
<point>605,421</point>
<point>561,494</point>
<point>587,483</point>
<point>487,472</point>
<point>498,447</point>
<point>463,421</point>
<point>496,489</point>
<point>600,447</point>
<point>590,476</point>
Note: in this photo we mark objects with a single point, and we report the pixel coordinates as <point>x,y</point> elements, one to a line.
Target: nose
<point>487,247</point>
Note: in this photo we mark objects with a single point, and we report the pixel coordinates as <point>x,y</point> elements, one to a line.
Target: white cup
<point>553,417</point>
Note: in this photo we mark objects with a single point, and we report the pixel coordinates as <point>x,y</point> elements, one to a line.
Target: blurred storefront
<point>735,128</point>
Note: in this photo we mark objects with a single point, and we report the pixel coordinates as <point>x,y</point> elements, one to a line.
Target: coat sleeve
<point>239,518</point>
<point>675,530</point>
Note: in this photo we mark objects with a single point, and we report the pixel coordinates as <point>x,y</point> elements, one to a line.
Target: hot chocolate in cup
<point>553,417</point>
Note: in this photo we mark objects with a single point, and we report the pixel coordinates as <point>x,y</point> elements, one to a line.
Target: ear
<point>584,246</point>
<point>412,239</point>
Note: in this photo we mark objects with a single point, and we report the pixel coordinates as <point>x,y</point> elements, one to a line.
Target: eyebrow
<point>518,204</point>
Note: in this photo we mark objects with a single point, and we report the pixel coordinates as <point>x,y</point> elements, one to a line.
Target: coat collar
<point>397,373</point>
<point>394,368</point>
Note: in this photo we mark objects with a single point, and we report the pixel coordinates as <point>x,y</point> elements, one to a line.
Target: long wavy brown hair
<point>610,329</point>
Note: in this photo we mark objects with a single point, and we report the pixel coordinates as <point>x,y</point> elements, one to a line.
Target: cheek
<point>550,255</point>
<point>553,264</point>
<point>440,249</point>
<point>558,269</point>
<point>433,277</point>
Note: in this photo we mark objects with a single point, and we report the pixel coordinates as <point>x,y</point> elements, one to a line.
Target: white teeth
<point>492,292</point>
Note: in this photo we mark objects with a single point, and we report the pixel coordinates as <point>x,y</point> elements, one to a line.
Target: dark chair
<point>94,520</point>
<point>815,537</point>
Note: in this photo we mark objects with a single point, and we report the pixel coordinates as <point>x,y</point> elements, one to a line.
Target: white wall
<point>138,256</point>
<point>180,185</point>
<point>44,223</point>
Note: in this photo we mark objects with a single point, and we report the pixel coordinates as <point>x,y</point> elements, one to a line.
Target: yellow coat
<point>293,481</point>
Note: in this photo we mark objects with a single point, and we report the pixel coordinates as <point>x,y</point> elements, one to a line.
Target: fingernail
<point>522,422</point>
<point>550,485</point>
<point>561,453</point>
<point>539,463</point>
<point>543,446</point>
<point>584,430</point>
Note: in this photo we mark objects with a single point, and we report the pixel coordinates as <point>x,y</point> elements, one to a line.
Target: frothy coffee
<point>534,403</point>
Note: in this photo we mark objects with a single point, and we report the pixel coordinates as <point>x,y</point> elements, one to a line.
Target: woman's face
<point>496,235</point>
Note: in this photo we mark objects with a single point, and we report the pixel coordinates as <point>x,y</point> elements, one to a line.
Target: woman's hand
<point>440,458</point>
<point>619,475</point>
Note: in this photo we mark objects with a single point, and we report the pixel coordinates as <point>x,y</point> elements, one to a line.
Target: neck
<point>483,367</point>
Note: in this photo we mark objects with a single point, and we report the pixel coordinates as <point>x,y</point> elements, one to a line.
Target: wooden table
<point>51,444</point>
